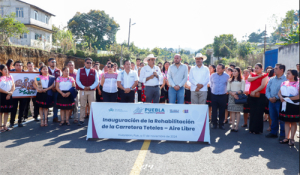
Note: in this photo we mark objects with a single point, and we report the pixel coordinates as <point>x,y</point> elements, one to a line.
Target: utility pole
<point>129,32</point>
<point>265,39</point>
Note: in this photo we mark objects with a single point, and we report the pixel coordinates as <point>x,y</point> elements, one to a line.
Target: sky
<point>175,23</point>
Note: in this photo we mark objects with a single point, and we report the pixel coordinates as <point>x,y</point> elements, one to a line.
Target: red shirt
<point>256,83</point>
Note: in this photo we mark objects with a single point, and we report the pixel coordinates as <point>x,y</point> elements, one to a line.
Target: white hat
<point>148,57</point>
<point>199,55</point>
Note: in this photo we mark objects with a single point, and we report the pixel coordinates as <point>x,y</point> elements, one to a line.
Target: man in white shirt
<point>127,81</point>
<point>138,62</point>
<point>150,76</point>
<point>199,78</point>
<point>87,79</point>
<point>177,77</point>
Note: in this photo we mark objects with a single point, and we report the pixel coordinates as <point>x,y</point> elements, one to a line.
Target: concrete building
<point>37,20</point>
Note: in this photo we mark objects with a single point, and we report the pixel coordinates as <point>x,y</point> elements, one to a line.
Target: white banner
<point>176,122</point>
<point>24,84</point>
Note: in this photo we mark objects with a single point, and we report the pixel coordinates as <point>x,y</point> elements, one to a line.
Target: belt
<point>152,86</point>
<point>219,94</point>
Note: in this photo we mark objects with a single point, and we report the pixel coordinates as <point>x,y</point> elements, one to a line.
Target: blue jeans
<point>55,110</point>
<point>274,115</point>
<point>176,95</point>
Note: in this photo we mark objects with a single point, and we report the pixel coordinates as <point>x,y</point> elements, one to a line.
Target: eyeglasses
<point>88,62</point>
<point>53,61</point>
<point>109,67</point>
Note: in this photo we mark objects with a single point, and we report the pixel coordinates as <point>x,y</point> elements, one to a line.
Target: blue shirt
<point>273,86</point>
<point>218,83</point>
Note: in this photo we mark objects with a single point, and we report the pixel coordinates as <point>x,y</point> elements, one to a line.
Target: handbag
<point>242,99</point>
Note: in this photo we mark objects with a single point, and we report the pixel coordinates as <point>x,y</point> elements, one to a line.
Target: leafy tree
<point>10,27</point>
<point>65,40</point>
<point>224,44</point>
<point>95,27</point>
<point>156,51</point>
<point>54,35</point>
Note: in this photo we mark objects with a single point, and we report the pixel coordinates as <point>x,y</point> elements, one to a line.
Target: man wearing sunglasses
<point>87,79</point>
<point>53,70</point>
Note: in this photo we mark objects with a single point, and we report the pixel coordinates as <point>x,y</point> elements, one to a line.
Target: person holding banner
<point>177,77</point>
<point>44,98</point>
<point>127,81</point>
<point>150,76</point>
<point>17,101</point>
<point>65,100</point>
<point>109,84</point>
<point>87,80</point>
<point>54,71</point>
<point>7,87</point>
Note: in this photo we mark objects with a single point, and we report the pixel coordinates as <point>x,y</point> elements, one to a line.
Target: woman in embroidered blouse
<point>65,101</point>
<point>7,87</point>
<point>109,85</point>
<point>289,112</point>
<point>246,109</point>
<point>235,86</point>
<point>43,99</point>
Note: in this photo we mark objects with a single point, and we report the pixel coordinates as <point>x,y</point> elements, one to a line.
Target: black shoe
<point>244,125</point>
<point>70,117</point>
<point>226,122</point>
<point>281,138</point>
<point>214,127</point>
<point>222,127</point>
<point>20,125</point>
<point>35,119</point>
<point>11,126</point>
<point>80,123</point>
<point>270,135</point>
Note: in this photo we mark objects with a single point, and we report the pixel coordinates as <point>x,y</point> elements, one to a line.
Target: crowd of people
<point>261,95</point>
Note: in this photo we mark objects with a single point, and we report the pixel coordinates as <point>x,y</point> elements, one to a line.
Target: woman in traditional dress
<point>289,109</point>
<point>65,100</point>
<point>7,87</point>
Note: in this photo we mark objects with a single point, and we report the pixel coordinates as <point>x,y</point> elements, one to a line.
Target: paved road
<point>64,150</point>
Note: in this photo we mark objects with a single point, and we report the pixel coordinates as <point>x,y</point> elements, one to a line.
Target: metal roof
<point>36,7</point>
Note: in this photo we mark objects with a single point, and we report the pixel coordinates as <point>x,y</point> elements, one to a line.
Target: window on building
<point>48,38</point>
<point>38,36</point>
<point>36,15</point>
<point>24,36</point>
<point>46,19</point>
<point>19,12</point>
<point>1,11</point>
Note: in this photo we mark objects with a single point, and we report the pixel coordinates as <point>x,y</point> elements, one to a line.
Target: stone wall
<point>36,56</point>
<point>289,56</point>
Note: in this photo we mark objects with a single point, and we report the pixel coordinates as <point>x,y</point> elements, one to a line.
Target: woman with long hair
<point>289,112</point>
<point>9,64</point>
<point>65,101</point>
<point>44,97</point>
<point>257,92</point>
<point>7,87</point>
<point>109,84</point>
<point>212,69</point>
<point>235,86</point>
<point>165,71</point>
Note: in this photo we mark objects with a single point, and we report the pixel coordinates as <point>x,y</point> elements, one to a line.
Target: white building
<point>37,20</point>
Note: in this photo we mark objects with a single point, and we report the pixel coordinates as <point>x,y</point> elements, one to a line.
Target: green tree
<point>10,27</point>
<point>156,51</point>
<point>65,40</point>
<point>95,27</point>
<point>54,34</point>
<point>224,44</point>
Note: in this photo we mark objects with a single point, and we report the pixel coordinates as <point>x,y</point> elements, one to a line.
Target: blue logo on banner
<point>138,111</point>
<point>174,111</point>
<point>185,111</point>
<point>154,111</point>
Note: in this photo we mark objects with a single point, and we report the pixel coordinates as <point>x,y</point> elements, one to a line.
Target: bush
<point>80,54</point>
<point>59,50</point>
<point>71,52</point>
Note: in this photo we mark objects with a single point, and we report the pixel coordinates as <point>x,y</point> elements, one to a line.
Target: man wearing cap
<point>53,70</point>
<point>87,79</point>
<point>177,77</point>
<point>127,81</point>
<point>150,76</point>
<point>199,78</point>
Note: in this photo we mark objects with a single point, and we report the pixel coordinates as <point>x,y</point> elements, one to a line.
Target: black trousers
<point>27,107</point>
<point>257,107</point>
<point>218,102</point>
<point>98,97</point>
<point>17,101</point>
<point>127,97</point>
<point>109,97</point>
